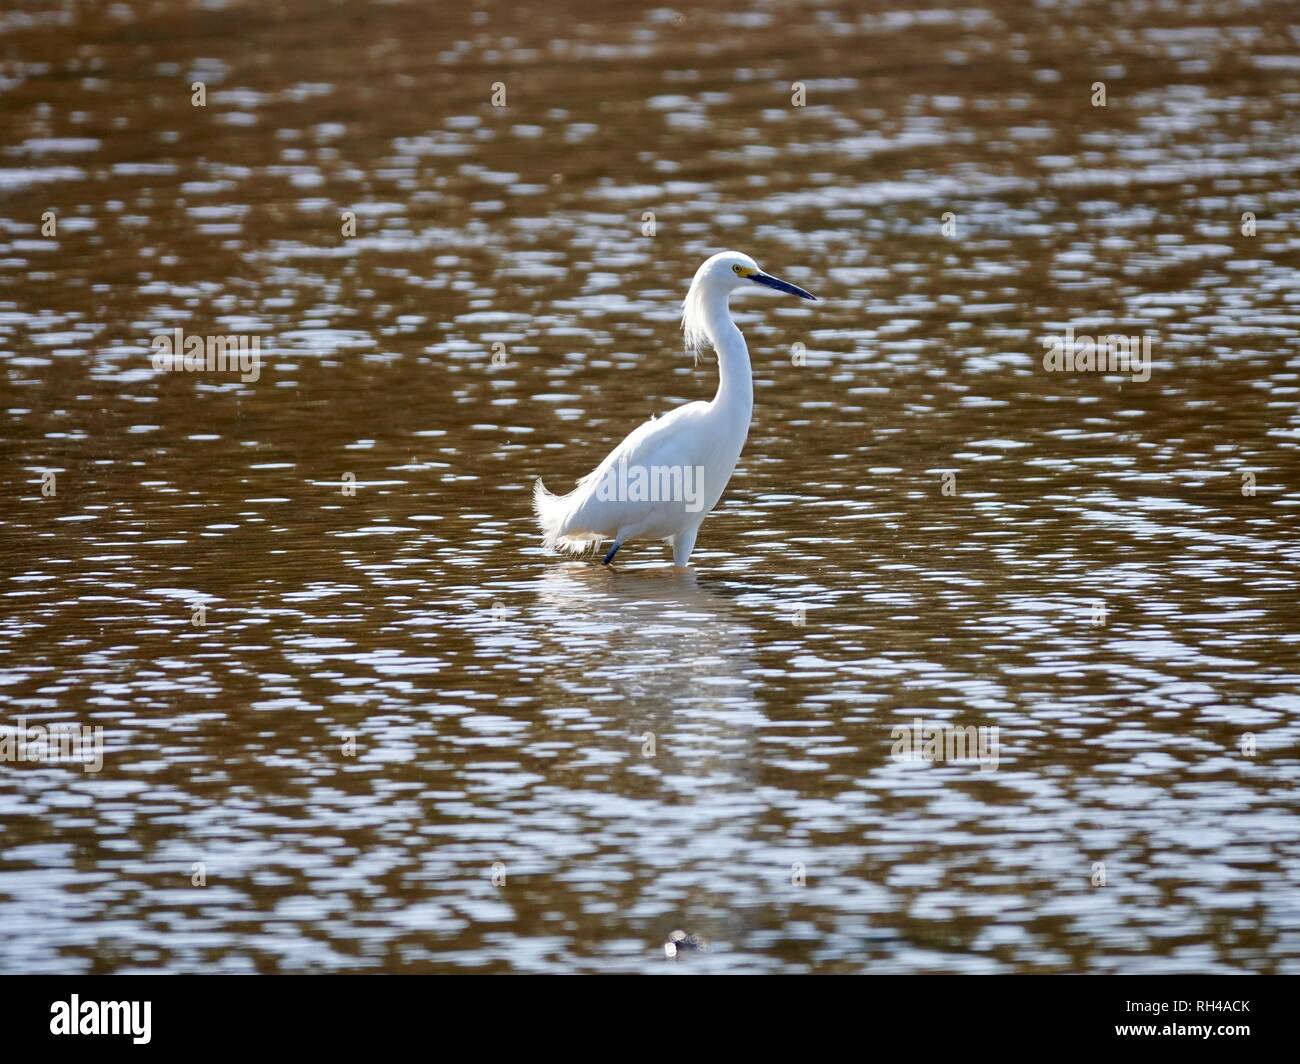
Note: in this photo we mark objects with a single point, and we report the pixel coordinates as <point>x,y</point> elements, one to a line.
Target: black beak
<point>769,281</point>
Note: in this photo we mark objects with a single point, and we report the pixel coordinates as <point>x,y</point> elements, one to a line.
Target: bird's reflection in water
<point>663,646</point>
<point>664,655</point>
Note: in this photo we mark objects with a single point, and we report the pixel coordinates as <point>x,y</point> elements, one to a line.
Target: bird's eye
<point>735,269</point>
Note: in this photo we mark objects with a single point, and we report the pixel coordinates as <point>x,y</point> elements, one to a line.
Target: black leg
<point>612,551</point>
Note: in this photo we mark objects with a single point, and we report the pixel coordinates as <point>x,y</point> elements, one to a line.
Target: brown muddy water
<point>354,719</point>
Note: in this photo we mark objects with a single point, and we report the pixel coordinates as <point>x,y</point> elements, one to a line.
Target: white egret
<point>668,474</point>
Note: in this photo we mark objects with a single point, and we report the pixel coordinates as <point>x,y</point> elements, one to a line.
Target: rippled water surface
<point>396,693</point>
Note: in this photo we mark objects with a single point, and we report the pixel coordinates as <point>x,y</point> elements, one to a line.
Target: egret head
<point>717,278</point>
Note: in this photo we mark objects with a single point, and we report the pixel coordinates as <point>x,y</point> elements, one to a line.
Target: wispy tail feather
<point>554,513</point>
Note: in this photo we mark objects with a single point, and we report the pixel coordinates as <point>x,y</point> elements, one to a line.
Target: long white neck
<point>735,379</point>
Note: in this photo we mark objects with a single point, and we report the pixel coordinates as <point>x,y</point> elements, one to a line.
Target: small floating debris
<point>680,940</point>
